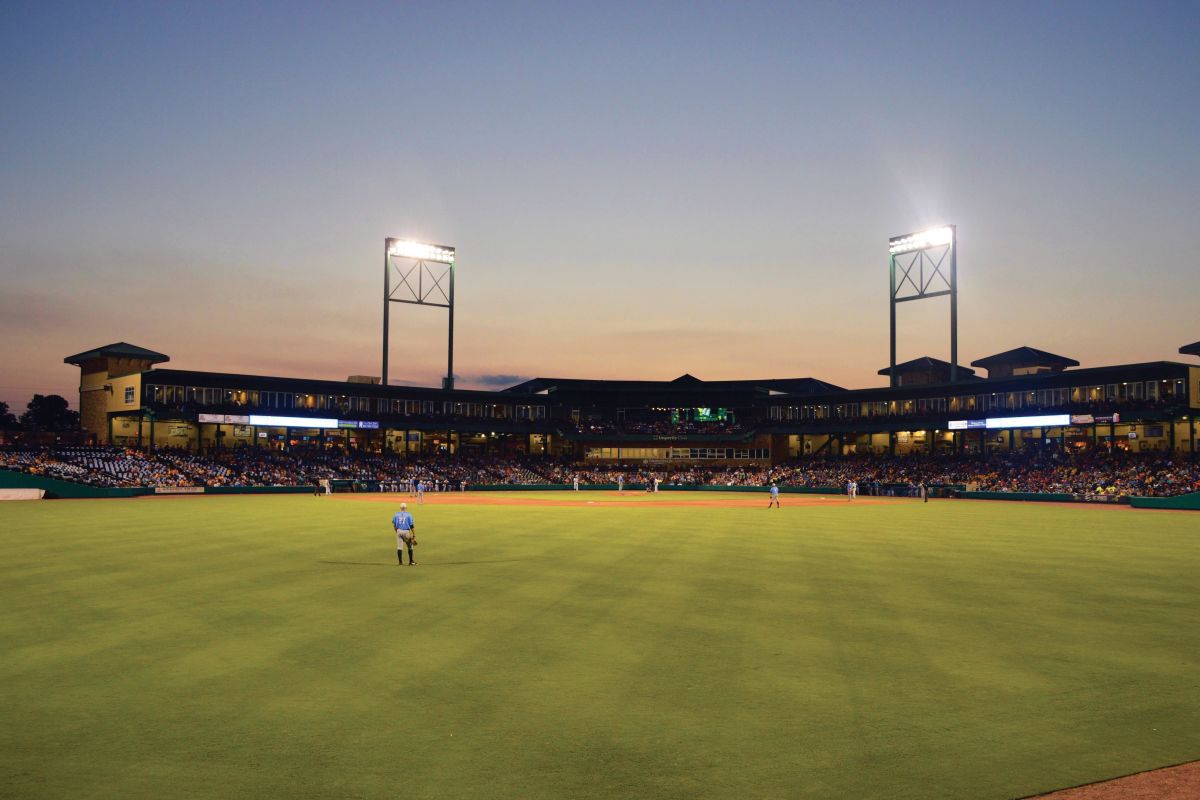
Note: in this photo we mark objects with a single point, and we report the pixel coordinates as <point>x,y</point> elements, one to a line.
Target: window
<point>531,412</point>
<point>129,394</point>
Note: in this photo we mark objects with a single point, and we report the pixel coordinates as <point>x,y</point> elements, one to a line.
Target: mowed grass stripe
<point>238,646</point>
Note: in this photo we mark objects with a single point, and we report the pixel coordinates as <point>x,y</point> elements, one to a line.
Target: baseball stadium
<point>977,581</point>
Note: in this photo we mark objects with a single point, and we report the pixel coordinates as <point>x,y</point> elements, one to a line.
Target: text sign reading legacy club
<point>1044,421</point>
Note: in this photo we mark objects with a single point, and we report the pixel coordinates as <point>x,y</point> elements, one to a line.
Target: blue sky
<point>635,190</point>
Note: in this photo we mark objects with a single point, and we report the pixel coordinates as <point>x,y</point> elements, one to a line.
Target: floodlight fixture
<point>920,261</point>
<point>934,237</point>
<point>418,283</point>
<point>421,251</point>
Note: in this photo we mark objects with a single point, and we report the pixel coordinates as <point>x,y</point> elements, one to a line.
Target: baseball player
<point>406,534</point>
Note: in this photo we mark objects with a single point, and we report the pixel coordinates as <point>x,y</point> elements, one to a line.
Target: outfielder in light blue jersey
<point>774,501</point>
<point>406,533</point>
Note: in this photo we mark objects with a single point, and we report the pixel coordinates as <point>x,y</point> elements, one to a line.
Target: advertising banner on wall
<point>224,419</point>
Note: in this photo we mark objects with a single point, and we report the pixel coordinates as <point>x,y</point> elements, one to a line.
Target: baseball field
<point>592,646</point>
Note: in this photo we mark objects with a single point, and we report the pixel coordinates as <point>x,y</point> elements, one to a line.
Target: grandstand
<point>1033,425</point>
<point>1030,400</point>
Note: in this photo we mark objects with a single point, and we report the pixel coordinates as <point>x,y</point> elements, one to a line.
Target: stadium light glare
<point>934,237</point>
<point>421,251</point>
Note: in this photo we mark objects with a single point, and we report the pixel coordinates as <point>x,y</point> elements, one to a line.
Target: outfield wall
<point>1036,497</point>
<point>56,488</point>
<point>1184,502</point>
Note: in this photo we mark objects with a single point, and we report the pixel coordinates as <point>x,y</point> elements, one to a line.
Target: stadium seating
<point>1095,475</point>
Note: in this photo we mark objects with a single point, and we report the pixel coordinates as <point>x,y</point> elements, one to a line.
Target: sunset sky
<point>635,191</point>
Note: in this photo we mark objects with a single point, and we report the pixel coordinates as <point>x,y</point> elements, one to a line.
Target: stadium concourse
<point>1086,476</point>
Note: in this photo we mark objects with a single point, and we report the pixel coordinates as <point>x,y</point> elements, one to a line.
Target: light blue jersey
<point>403,521</point>
<point>774,493</point>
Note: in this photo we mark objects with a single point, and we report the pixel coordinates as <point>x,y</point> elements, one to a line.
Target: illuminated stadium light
<point>421,251</point>
<point>419,284</point>
<point>921,266</point>
<point>934,237</point>
<point>292,422</point>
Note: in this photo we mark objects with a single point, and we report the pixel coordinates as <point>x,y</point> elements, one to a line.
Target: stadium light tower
<point>419,284</point>
<point>920,258</point>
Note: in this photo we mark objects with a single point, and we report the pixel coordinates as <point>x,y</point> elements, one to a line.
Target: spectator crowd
<point>1095,475</point>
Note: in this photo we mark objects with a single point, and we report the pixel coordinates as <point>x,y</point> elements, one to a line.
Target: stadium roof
<point>1192,349</point>
<point>925,364</point>
<point>684,383</point>
<point>232,380</point>
<point>117,350</point>
<point>1025,355</point>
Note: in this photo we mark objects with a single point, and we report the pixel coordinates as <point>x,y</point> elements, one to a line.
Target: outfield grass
<point>227,647</point>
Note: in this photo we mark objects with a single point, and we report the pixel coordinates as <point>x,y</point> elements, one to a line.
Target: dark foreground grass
<point>270,647</point>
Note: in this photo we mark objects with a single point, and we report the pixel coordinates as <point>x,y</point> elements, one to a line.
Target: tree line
<point>45,412</point>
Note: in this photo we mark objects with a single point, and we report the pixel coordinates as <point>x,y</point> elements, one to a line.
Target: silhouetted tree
<point>7,420</point>
<point>49,413</point>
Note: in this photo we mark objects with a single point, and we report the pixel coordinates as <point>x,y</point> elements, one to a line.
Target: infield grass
<point>226,647</point>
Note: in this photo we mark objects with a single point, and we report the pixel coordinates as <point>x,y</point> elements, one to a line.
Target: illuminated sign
<point>356,423</point>
<point>224,419</point>
<point>699,415</point>
<point>1044,421</point>
<point>292,422</point>
<point>1088,419</point>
